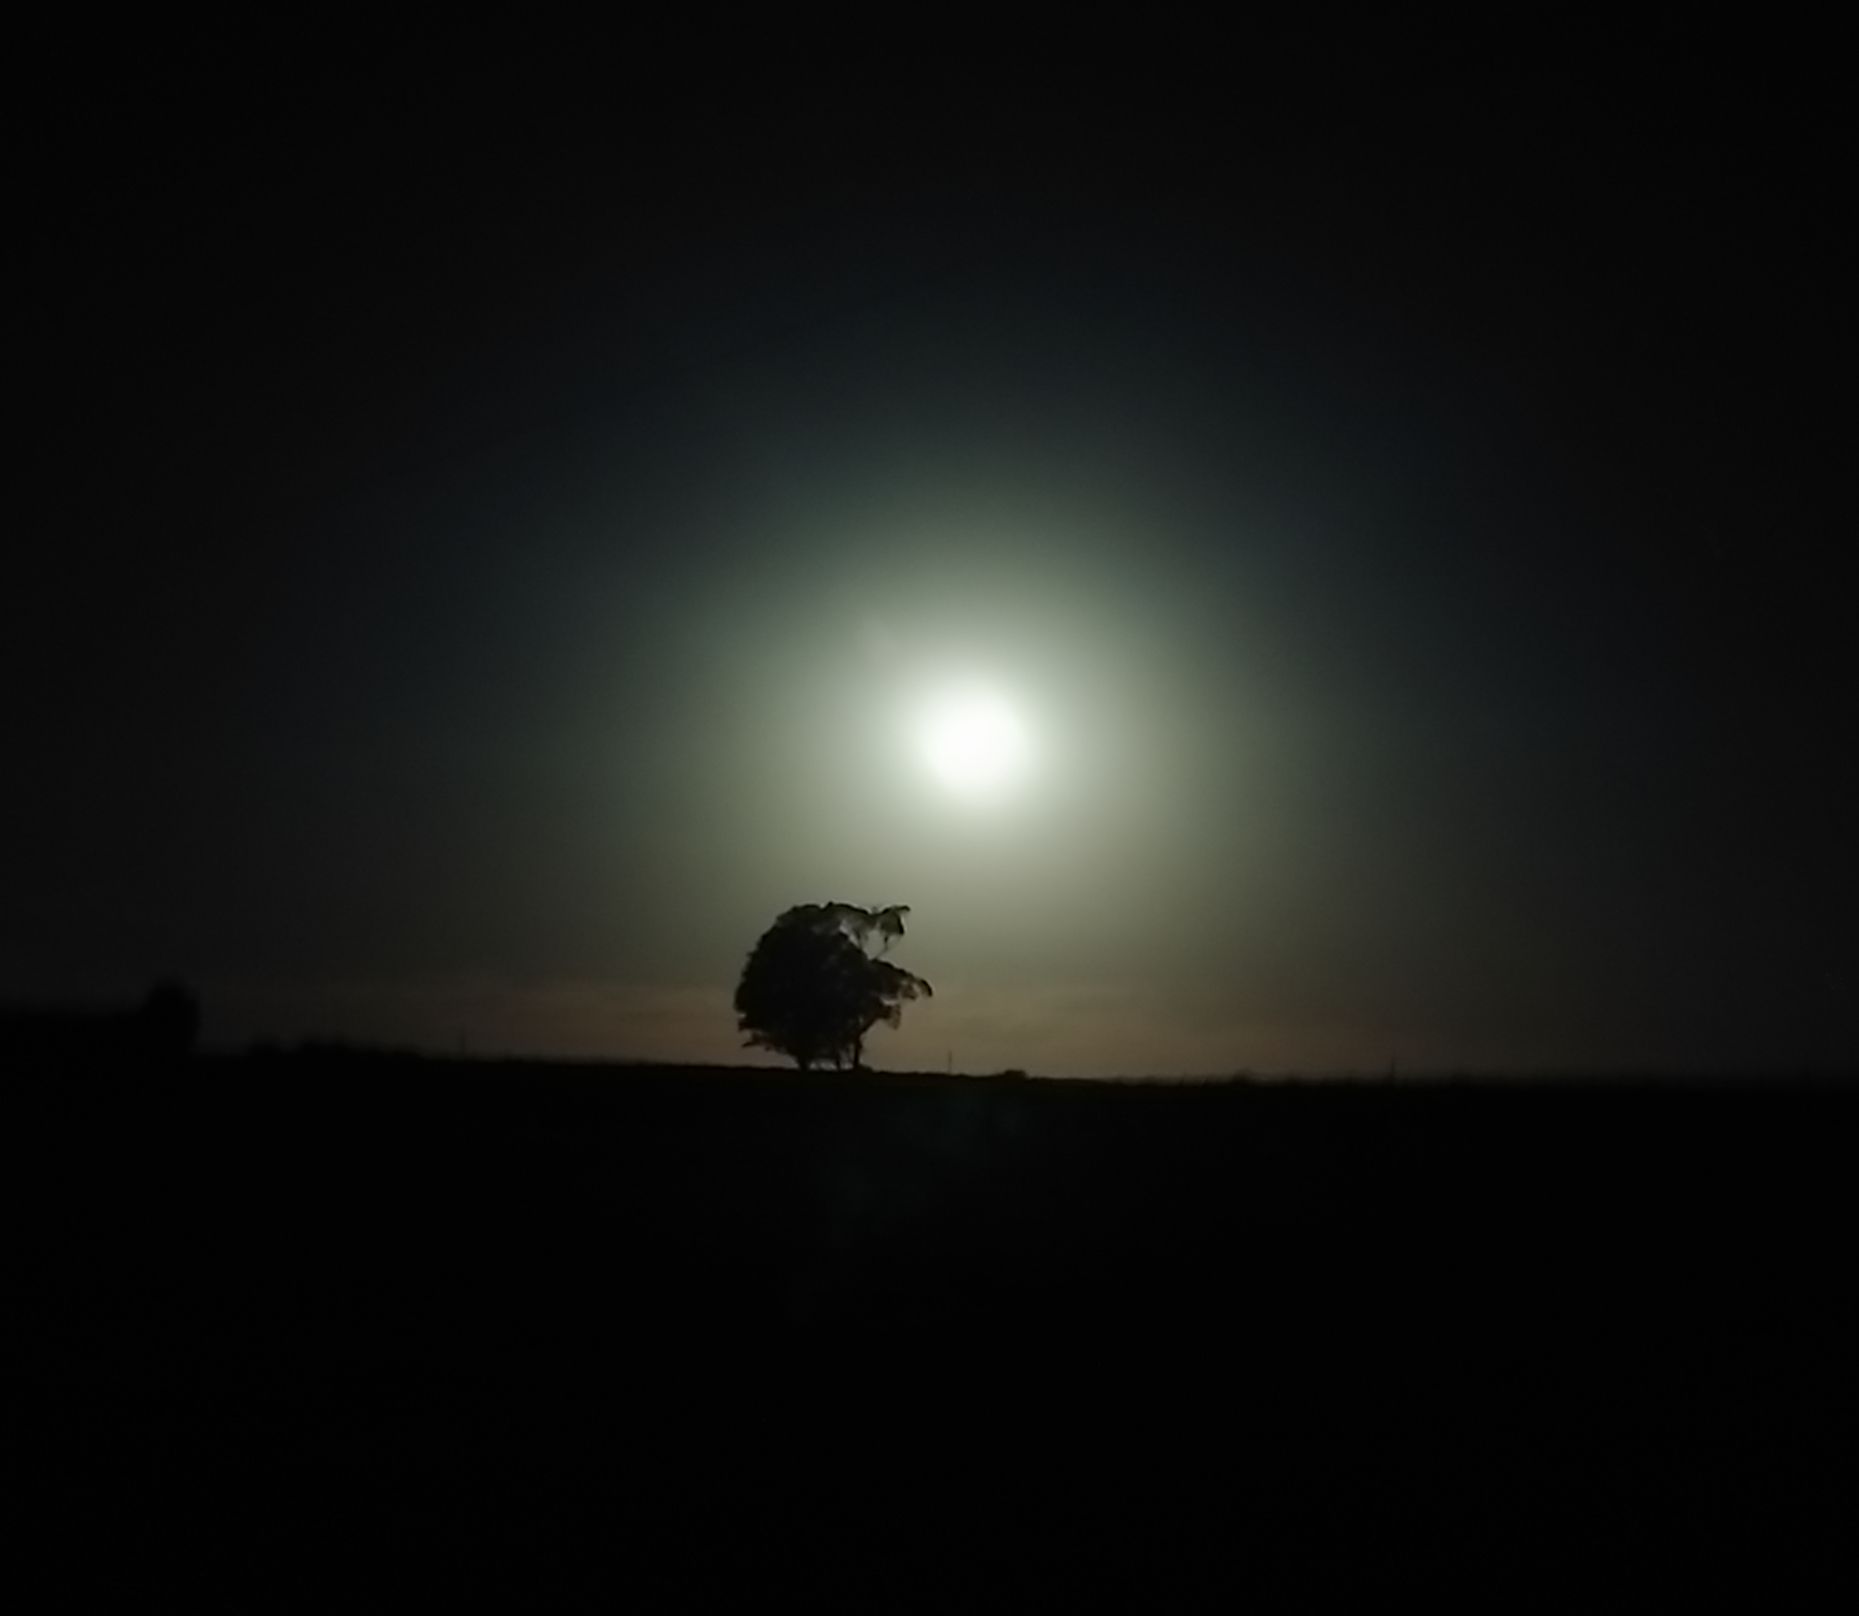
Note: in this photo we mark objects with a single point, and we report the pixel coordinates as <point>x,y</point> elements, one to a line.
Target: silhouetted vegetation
<point>813,987</point>
<point>163,1027</point>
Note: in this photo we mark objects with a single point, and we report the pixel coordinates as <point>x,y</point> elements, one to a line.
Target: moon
<point>975,743</point>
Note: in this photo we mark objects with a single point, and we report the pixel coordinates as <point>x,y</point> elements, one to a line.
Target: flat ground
<point>343,1332</point>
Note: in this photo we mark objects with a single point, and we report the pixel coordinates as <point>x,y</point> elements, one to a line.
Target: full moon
<point>974,743</point>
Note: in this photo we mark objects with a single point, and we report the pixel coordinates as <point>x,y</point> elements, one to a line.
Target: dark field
<point>343,1332</point>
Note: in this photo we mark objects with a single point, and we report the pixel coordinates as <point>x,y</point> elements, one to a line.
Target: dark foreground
<point>346,1334</point>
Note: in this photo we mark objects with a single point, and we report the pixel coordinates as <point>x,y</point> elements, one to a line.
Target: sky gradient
<point>491,532</point>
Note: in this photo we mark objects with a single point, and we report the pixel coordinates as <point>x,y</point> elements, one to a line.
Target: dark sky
<point>488,521</point>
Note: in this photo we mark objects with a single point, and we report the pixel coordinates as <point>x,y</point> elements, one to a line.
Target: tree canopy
<point>817,981</point>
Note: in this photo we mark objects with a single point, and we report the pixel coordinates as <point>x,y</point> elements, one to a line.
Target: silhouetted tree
<point>816,982</point>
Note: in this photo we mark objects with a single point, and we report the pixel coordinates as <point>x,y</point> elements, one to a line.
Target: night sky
<point>490,528</point>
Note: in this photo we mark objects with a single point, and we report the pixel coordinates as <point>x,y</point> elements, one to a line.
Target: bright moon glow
<point>975,744</point>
